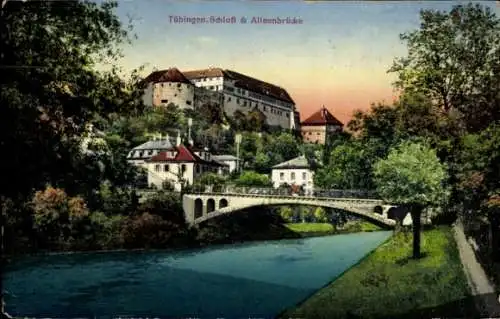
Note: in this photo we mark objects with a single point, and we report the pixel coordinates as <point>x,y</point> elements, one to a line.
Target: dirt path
<point>487,300</point>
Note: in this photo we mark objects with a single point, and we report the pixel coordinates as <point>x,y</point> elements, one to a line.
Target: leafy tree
<point>479,178</point>
<point>284,146</point>
<point>412,175</point>
<point>50,88</point>
<point>56,216</point>
<point>454,59</point>
<point>286,213</point>
<point>320,215</point>
<point>250,178</point>
<point>349,167</point>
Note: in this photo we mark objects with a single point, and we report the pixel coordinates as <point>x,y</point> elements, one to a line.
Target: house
<point>319,126</point>
<point>231,90</point>
<point>298,171</point>
<point>231,161</point>
<point>139,154</point>
<point>179,165</point>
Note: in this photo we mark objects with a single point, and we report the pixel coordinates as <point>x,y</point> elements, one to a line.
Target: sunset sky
<point>337,57</point>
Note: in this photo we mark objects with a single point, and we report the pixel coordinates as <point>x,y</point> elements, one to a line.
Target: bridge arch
<point>210,205</point>
<point>365,212</point>
<point>378,210</point>
<point>223,203</point>
<point>198,208</point>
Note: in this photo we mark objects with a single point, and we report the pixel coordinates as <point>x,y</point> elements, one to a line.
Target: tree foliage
<point>411,174</point>
<point>454,59</point>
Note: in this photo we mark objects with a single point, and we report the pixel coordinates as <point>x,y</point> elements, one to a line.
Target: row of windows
<point>166,168</point>
<point>292,176</point>
<point>264,108</point>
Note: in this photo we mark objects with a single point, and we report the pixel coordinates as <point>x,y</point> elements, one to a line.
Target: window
<point>162,85</point>
<point>183,168</point>
<point>238,101</point>
<point>140,154</point>
<point>282,176</point>
<point>188,102</point>
<point>157,168</point>
<point>293,176</point>
<point>211,87</point>
<point>244,103</point>
<point>287,115</point>
<point>165,168</point>
<point>317,134</point>
<point>265,108</point>
<point>164,101</point>
<point>309,133</point>
<point>197,168</point>
<point>178,85</point>
<point>229,99</point>
<point>304,176</point>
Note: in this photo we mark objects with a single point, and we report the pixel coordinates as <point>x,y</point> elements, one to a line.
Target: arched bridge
<point>202,206</point>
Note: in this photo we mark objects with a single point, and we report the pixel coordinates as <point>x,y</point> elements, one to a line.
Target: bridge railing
<point>325,193</point>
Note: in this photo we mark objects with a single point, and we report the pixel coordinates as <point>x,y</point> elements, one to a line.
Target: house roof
<point>169,75</point>
<point>183,154</point>
<point>243,81</point>
<point>163,144</point>
<point>298,162</point>
<point>322,117</point>
<point>205,73</point>
<point>224,158</point>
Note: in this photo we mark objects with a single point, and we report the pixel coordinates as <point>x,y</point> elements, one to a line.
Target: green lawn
<point>387,284</point>
<point>326,228</point>
<point>310,227</point>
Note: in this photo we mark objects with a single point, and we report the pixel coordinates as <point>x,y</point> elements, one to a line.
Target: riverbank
<point>388,284</point>
<point>327,229</point>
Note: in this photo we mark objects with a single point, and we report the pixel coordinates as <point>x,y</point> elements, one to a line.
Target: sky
<point>337,57</point>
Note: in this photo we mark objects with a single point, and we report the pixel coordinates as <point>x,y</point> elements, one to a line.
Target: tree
<point>349,167</point>
<point>282,147</point>
<point>413,176</point>
<point>454,59</point>
<point>50,88</point>
<point>250,178</point>
<point>320,215</point>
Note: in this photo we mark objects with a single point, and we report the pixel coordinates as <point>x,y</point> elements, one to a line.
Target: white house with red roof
<point>179,165</point>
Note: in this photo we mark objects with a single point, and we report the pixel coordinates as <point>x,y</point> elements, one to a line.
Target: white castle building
<point>232,90</point>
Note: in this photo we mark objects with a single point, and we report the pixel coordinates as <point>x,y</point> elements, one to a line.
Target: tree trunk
<point>416,213</point>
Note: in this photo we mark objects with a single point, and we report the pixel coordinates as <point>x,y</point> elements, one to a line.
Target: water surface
<point>239,281</point>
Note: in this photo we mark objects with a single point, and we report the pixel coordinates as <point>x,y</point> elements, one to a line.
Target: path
<point>487,300</point>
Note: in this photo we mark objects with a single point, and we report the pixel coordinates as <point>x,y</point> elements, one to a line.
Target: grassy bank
<point>326,229</point>
<point>387,284</point>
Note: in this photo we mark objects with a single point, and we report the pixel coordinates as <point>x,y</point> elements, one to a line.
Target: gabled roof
<point>169,75</point>
<point>298,162</point>
<point>183,154</point>
<point>163,144</point>
<point>242,81</point>
<point>322,117</point>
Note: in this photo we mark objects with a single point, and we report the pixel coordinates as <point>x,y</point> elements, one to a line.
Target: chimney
<point>178,141</point>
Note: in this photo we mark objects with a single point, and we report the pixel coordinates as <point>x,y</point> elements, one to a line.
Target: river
<point>251,280</point>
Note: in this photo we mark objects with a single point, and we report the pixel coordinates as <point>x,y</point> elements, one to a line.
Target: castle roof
<point>321,117</point>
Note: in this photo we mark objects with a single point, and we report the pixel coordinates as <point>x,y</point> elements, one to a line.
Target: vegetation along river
<point>238,281</point>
